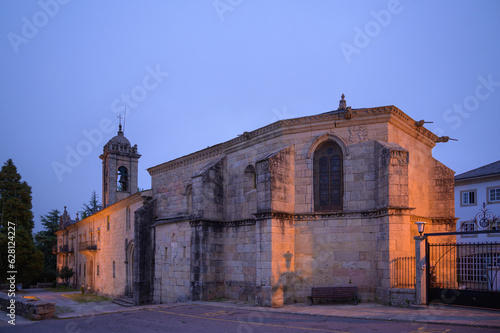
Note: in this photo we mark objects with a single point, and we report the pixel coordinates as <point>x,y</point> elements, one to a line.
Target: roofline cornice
<point>108,210</point>
<point>289,126</point>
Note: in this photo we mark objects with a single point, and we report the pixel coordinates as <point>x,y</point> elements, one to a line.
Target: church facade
<point>100,248</point>
<point>323,200</point>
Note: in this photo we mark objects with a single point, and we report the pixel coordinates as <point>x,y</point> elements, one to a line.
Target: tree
<point>15,201</point>
<point>16,198</point>
<point>93,206</point>
<point>66,273</point>
<point>45,240</point>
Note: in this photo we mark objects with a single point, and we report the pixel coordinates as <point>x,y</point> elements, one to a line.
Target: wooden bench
<point>335,293</point>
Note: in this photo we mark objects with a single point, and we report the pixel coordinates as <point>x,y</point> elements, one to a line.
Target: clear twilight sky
<point>192,74</point>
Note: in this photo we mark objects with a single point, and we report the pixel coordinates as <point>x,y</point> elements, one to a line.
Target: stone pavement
<point>433,314</point>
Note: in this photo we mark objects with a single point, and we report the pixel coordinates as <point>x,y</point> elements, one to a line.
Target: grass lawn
<point>86,298</point>
<point>60,289</point>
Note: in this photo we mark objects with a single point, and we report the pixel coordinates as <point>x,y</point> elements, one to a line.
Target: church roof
<point>340,117</point>
<point>119,144</point>
<point>486,170</point>
<point>119,139</point>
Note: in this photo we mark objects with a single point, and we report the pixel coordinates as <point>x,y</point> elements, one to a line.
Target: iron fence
<point>403,272</point>
<point>465,266</point>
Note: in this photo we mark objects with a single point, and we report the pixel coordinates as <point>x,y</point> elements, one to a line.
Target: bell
<point>123,182</point>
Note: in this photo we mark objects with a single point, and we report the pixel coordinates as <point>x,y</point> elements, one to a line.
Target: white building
<point>477,203</point>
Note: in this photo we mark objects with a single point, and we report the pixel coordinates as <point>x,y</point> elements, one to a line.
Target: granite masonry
<point>323,200</point>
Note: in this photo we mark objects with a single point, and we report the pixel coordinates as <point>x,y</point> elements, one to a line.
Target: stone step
<point>124,301</point>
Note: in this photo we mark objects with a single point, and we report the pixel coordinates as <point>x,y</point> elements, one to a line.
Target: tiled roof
<point>487,170</point>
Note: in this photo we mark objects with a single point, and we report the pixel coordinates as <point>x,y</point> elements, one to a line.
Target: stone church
<point>322,200</point>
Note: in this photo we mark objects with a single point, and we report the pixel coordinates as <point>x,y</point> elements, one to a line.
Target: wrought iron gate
<point>464,274</point>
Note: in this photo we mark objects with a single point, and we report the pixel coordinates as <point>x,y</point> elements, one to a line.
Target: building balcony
<point>88,246</point>
<point>62,249</point>
<point>66,249</point>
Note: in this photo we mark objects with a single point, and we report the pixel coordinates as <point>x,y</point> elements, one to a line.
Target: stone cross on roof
<point>342,103</point>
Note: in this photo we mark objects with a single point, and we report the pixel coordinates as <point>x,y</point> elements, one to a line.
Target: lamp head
<point>420,227</point>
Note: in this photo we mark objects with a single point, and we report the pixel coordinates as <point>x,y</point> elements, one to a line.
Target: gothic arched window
<point>122,179</point>
<point>328,177</point>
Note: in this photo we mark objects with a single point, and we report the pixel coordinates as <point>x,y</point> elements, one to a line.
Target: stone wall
<point>403,298</point>
<point>111,233</point>
<point>239,260</point>
<point>337,252</point>
<point>144,264</point>
<point>172,273</point>
<point>28,308</point>
<point>264,241</point>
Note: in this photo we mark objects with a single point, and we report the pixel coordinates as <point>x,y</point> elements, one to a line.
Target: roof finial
<point>342,103</point>
<point>120,125</point>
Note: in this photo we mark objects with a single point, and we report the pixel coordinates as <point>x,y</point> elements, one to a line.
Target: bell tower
<point>119,169</point>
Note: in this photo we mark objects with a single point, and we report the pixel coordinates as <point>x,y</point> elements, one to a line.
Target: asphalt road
<point>208,319</point>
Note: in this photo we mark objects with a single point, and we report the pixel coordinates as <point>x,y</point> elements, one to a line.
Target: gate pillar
<point>421,270</point>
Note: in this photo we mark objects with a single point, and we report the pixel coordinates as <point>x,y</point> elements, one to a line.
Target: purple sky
<point>196,73</point>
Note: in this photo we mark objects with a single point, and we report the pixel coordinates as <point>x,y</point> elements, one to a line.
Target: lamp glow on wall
<point>420,227</point>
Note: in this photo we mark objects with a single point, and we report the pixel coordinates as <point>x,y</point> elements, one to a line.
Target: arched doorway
<point>129,286</point>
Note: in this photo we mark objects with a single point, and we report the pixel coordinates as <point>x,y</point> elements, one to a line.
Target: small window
<point>468,226</point>
<point>84,270</point>
<point>468,198</point>
<point>249,179</point>
<point>80,270</point>
<point>494,195</point>
<point>107,222</point>
<point>114,270</point>
<point>97,270</point>
<point>127,218</point>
